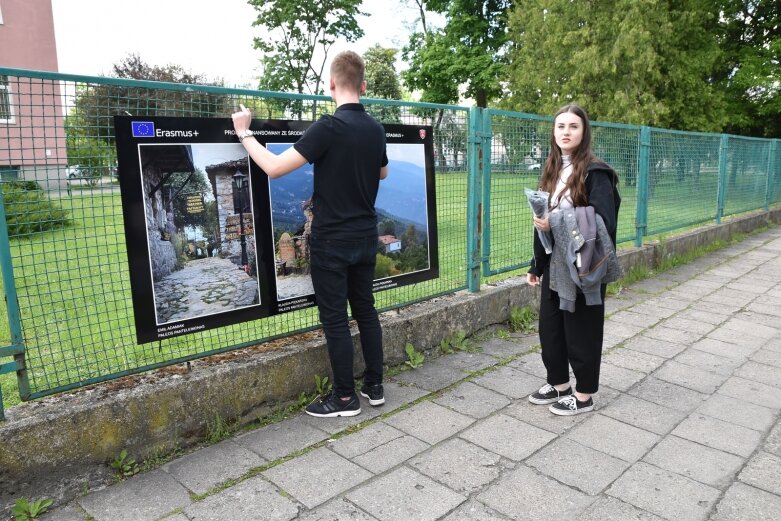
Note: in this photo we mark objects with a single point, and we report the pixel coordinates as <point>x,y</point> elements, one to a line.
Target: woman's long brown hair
<point>580,160</point>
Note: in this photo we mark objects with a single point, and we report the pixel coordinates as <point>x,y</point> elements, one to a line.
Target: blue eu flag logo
<point>143,128</point>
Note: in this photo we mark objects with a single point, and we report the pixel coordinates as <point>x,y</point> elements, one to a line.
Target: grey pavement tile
<point>667,394</point>
<point>744,503</point>
<point>459,465</point>
<point>725,342</point>
<point>613,437</point>
<point>475,511</point>
<point>405,494</point>
<point>504,348</point>
<point>540,416</point>
<point>636,319</point>
<point>654,346</point>
<point>752,392</point>
<point>609,341</point>
<point>739,412</point>
<point>280,439</point>
<point>621,330</point>
<point>706,317</point>
<point>767,356</point>
<point>634,360</point>
<point>468,362</point>
<point>531,363</point>
<point>758,318</point>
<point>67,513</point>
<point>644,414</point>
<point>690,377</point>
<point>720,347</point>
<point>510,382</point>
<point>734,296</point>
<point>741,324</point>
<point>244,502</point>
<point>396,396</point>
<point>129,500</point>
<point>210,466</point>
<point>755,287</point>
<point>719,308</point>
<point>766,374</point>
<point>430,422</point>
<point>364,440</point>
<point>645,308</point>
<point>316,476</point>
<point>508,436</point>
<point>175,517</point>
<point>766,308</point>
<point>763,471</point>
<point>664,493</point>
<point>432,375</point>
<point>674,336</point>
<point>618,377</point>
<point>390,454</point>
<point>473,400</point>
<point>773,441</point>
<point>685,324</point>
<point>669,303</point>
<point>338,509</point>
<point>608,508</point>
<point>708,361</point>
<point>719,434</point>
<point>578,466</point>
<point>653,285</point>
<point>772,345</point>
<point>535,502</point>
<point>693,460</point>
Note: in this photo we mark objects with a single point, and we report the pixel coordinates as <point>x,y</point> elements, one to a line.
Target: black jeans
<point>342,271</point>
<point>571,339</point>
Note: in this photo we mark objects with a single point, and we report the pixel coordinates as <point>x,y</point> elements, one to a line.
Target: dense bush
<point>28,209</point>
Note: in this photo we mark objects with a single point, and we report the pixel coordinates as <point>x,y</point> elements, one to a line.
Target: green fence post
<point>722,187</point>
<point>486,133</point>
<point>474,199</point>
<point>643,172</point>
<point>771,170</point>
<point>16,349</point>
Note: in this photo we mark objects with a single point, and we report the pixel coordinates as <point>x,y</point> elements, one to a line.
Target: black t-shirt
<point>348,150</point>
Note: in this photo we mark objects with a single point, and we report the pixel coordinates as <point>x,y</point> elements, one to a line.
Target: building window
<point>6,110</point>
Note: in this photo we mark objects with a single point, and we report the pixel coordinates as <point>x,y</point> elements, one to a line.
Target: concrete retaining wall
<point>57,446</point>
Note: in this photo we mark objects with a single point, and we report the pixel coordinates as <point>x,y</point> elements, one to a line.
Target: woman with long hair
<point>571,331</point>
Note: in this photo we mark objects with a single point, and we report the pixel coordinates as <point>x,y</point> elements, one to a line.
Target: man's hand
<point>532,279</point>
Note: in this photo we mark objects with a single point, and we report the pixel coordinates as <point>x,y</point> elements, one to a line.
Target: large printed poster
<point>212,241</point>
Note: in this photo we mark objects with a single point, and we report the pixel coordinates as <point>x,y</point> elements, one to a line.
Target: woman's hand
<point>532,279</point>
<point>541,223</point>
<point>241,119</point>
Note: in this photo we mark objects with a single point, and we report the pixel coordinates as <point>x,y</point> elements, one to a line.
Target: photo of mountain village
<point>402,220</point>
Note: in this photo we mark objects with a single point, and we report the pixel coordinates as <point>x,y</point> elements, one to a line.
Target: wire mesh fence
<point>67,248</point>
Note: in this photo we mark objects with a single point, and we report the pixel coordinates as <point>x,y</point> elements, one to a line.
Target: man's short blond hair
<point>347,70</point>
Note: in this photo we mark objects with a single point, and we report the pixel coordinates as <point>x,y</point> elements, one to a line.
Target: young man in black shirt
<point>349,157</point>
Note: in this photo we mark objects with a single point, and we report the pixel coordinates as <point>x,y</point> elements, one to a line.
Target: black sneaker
<point>570,405</point>
<point>330,406</point>
<point>374,393</point>
<point>548,394</point>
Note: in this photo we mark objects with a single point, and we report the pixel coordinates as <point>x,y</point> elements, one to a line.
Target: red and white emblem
<point>422,133</point>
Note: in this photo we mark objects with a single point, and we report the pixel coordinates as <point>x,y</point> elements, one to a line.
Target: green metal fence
<point>62,245</point>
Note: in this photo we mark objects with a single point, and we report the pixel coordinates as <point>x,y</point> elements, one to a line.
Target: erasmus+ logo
<point>143,128</point>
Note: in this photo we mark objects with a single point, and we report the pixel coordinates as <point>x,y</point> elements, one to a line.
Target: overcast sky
<point>211,37</point>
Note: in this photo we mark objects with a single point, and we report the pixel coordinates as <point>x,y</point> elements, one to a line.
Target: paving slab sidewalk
<point>686,427</point>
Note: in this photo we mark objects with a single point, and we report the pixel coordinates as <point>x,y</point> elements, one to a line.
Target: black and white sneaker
<point>548,394</point>
<point>374,393</point>
<point>570,405</point>
<point>331,406</point>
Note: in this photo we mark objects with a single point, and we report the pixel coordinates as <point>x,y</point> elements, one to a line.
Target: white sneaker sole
<point>334,414</point>
<point>539,401</point>
<point>570,412</point>
<point>373,402</point>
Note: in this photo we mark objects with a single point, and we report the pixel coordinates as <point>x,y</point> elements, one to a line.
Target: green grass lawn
<point>76,304</point>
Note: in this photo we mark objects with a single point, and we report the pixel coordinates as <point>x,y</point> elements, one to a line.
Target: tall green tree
<point>749,33</point>
<point>382,82</point>
<point>470,50</point>
<point>96,105</point>
<point>634,61</point>
<point>300,34</point>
